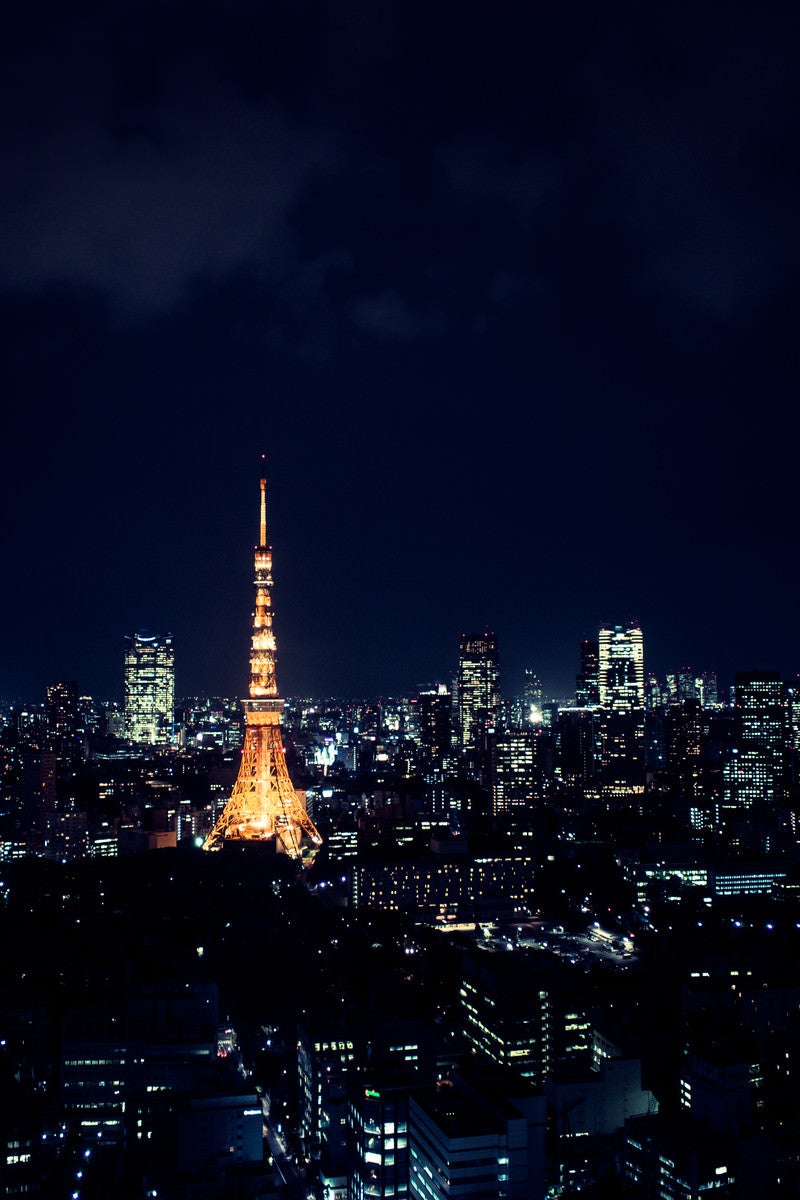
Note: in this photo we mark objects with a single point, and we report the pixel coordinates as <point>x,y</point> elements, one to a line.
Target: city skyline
<point>509,304</point>
<point>651,689</point>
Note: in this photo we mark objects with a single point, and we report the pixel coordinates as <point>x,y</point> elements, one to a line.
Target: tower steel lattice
<point>264,804</point>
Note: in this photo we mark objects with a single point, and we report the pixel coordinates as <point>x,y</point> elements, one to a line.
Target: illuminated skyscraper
<point>620,669</point>
<point>760,706</point>
<point>149,687</point>
<point>754,774</point>
<point>264,806</point>
<point>478,689</point>
<point>477,694</point>
<point>620,717</point>
<point>708,689</point>
<point>513,769</point>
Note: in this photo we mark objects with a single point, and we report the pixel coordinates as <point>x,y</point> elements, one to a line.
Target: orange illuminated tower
<point>264,805</point>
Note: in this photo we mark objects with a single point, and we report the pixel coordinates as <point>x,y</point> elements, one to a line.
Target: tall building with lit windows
<point>753,775</point>
<point>620,668</point>
<point>326,1066</point>
<point>620,723</point>
<point>378,1125</point>
<point>434,708</point>
<point>149,687</point>
<point>760,705</point>
<point>505,1015</point>
<point>478,691</point>
<point>513,769</point>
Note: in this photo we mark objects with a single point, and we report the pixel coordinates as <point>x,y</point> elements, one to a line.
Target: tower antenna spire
<point>263,483</point>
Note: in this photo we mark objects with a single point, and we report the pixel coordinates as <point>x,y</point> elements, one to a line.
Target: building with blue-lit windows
<point>678,1159</point>
<point>753,775</point>
<point>378,1121</point>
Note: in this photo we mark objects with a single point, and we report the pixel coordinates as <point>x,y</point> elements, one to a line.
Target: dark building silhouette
<point>587,690</point>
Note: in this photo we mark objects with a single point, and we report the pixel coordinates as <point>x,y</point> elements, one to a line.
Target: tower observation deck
<point>264,804</point>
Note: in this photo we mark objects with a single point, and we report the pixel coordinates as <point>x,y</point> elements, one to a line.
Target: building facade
<point>479,885</point>
<point>149,688</point>
<point>513,770</point>
<point>587,688</point>
<point>506,1019</point>
<point>62,716</point>
<point>478,689</point>
<point>753,774</point>
<point>470,1144</point>
<point>620,669</point>
<point>378,1122</point>
<point>434,717</point>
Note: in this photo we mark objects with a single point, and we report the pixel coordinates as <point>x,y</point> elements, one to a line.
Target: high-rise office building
<point>149,687</point>
<point>575,746</point>
<point>505,1016</point>
<point>478,689</point>
<point>753,774</point>
<point>513,774</point>
<point>532,694</point>
<point>326,1065</point>
<point>61,715</point>
<point>621,711</point>
<point>708,689</point>
<point>694,685</point>
<point>587,691</point>
<point>435,729</point>
<point>378,1123</point>
<point>620,668</point>
<point>476,694</point>
<point>760,708</point>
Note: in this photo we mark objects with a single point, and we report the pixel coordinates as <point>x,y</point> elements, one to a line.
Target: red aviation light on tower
<point>264,805</point>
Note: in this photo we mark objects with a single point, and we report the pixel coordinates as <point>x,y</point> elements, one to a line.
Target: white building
<point>621,668</point>
<point>149,688</point>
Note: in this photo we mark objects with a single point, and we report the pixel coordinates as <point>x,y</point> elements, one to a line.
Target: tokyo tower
<point>264,804</point>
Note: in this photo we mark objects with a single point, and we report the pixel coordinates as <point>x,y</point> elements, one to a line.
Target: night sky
<point>507,294</point>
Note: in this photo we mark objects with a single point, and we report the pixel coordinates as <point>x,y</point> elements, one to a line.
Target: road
<point>292,1177</point>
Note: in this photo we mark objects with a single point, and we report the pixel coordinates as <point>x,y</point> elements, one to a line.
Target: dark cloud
<point>201,189</point>
<point>692,165</point>
<point>496,169</point>
<point>389,314</point>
